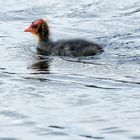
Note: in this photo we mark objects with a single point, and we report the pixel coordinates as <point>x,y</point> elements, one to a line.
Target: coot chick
<point>73,47</point>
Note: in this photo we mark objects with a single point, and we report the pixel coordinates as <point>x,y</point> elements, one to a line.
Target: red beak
<point>29,29</point>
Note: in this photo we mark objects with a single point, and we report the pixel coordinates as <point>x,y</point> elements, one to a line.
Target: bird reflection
<point>41,64</point>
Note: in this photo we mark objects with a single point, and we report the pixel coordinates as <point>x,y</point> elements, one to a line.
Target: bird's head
<point>39,28</point>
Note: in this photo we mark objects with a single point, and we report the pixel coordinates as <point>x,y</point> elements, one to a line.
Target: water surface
<point>62,98</point>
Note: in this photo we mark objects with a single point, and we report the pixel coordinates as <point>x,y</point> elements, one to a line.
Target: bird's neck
<point>44,45</point>
<point>43,39</point>
<point>43,35</point>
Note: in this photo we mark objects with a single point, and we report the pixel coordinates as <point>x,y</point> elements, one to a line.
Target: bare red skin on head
<point>39,22</point>
<point>33,30</point>
<point>28,29</point>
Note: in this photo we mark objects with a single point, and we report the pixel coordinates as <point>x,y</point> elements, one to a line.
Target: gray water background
<point>62,98</point>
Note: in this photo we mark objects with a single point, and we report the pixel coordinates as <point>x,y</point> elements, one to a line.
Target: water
<point>62,98</point>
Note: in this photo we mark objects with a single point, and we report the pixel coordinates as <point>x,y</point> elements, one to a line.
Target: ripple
<point>2,68</point>
<point>10,73</point>
<point>37,79</point>
<point>55,126</point>
<point>52,131</point>
<point>132,12</point>
<point>92,137</point>
<point>8,138</point>
<point>113,130</point>
<point>22,14</point>
<point>94,86</point>
<point>12,114</point>
<point>135,137</point>
<point>3,36</point>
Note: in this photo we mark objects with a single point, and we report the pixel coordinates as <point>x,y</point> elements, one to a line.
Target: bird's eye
<point>34,25</point>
